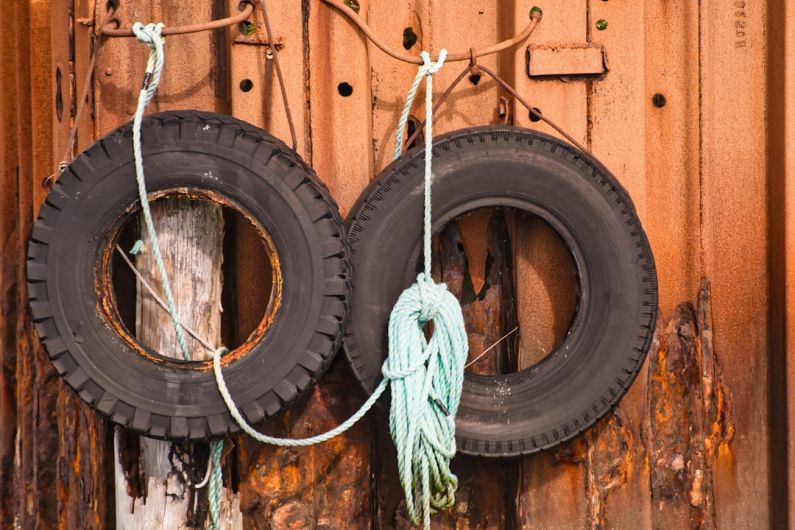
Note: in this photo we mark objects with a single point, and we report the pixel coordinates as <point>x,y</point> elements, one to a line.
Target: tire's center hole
<point>223,270</point>
<point>517,284</point>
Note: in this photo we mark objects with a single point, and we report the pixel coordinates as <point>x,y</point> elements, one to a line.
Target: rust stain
<point>690,419</point>
<point>610,460</point>
<point>323,486</point>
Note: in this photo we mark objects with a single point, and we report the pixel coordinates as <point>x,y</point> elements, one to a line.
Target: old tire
<point>247,168</point>
<point>592,368</point>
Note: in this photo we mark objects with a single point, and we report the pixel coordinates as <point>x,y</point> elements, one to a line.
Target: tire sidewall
<point>251,177</point>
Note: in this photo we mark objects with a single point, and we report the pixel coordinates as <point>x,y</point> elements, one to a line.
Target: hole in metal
<point>58,95</point>
<point>344,89</point>
<point>409,38</point>
<point>247,28</point>
<point>411,125</point>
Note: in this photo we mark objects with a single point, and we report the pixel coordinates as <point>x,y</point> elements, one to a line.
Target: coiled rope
<point>426,375</point>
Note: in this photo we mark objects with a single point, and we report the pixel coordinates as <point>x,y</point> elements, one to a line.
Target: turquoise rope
<point>426,375</point>
<point>151,34</point>
<point>215,487</point>
<point>425,402</point>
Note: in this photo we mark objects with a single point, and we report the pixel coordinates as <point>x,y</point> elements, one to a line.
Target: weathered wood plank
<point>190,234</point>
<point>194,77</point>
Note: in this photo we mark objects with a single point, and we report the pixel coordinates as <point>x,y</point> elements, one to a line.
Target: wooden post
<point>153,479</point>
<point>191,235</point>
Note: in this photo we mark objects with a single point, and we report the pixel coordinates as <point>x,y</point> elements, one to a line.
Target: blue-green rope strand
<point>426,375</point>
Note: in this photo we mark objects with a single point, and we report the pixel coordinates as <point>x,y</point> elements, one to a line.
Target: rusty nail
<point>109,72</point>
<point>658,100</point>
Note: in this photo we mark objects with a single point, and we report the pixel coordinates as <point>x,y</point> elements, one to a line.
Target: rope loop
<point>430,294</point>
<point>431,67</point>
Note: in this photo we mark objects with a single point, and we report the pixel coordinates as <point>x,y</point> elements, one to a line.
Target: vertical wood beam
<point>194,77</point>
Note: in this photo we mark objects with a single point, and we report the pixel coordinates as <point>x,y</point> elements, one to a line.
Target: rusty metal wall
<point>700,441</point>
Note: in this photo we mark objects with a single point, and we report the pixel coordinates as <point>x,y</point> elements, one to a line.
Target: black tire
<point>258,175</point>
<point>592,368</point>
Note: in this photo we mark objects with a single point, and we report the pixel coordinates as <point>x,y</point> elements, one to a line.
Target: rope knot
<point>426,376</point>
<point>148,33</point>
<point>430,296</point>
<point>431,67</point>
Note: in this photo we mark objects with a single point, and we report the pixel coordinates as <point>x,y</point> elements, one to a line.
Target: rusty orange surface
<point>694,115</point>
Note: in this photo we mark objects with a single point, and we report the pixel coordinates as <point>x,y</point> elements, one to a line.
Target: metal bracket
<point>566,60</point>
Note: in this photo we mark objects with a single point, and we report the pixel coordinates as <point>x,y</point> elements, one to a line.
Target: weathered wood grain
<point>190,234</point>
<point>194,77</point>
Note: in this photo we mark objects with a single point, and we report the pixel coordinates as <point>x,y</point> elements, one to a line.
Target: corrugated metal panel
<point>702,435</point>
